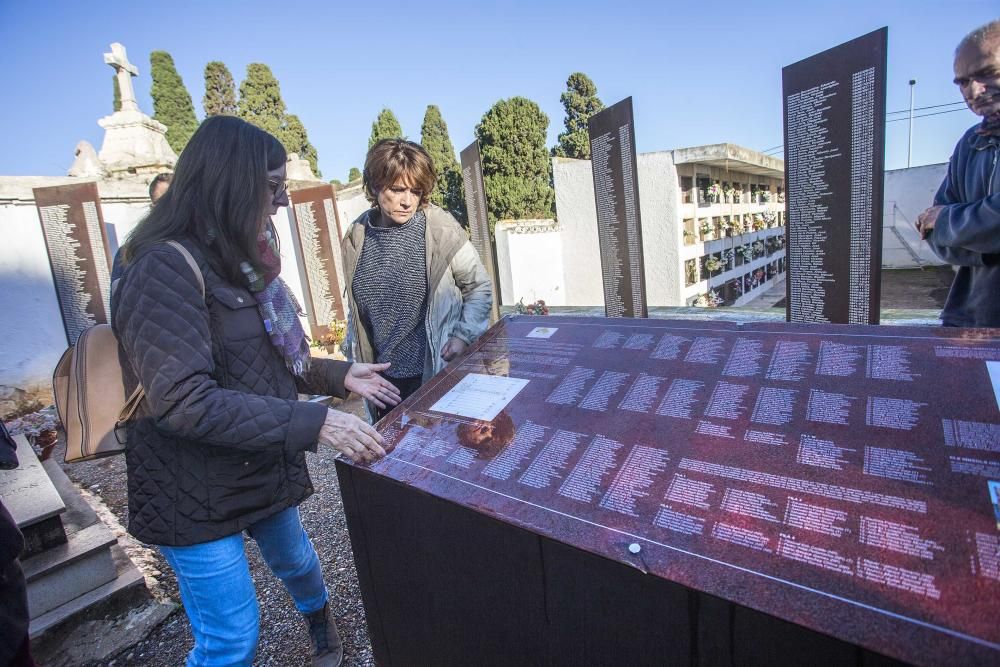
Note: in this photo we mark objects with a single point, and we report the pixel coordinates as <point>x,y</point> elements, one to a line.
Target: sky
<point>698,73</point>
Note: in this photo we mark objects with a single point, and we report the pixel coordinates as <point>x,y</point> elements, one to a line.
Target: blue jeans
<point>219,596</point>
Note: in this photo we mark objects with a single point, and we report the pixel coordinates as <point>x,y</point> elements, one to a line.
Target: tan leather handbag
<point>90,392</point>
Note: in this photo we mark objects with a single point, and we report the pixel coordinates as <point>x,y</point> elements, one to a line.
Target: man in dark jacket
<point>963,226</point>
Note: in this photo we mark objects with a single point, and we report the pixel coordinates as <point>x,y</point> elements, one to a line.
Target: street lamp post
<point>909,148</point>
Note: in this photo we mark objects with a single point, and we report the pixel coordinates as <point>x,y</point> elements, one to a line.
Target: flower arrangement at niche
<point>730,194</point>
<point>714,191</point>
<point>746,252</point>
<point>332,338</point>
<point>536,308</point>
<point>727,257</point>
<point>770,218</point>
<point>758,248</point>
<point>710,299</point>
<point>705,227</point>
<point>712,264</point>
<point>758,222</point>
<point>765,196</point>
<point>39,428</point>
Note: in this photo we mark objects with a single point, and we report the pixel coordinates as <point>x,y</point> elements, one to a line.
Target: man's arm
<point>950,225</point>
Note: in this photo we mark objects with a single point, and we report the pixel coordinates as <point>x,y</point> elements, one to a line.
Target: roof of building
<point>731,156</point>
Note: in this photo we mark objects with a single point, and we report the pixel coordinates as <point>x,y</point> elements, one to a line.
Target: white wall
<point>529,253</point>
<point>577,215</point>
<point>662,234</point>
<point>907,193</point>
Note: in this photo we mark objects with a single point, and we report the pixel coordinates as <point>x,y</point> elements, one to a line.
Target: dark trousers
<point>14,617</point>
<point>406,387</point>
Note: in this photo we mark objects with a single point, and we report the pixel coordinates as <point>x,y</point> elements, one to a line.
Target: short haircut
<point>165,177</point>
<point>392,159</point>
<point>980,36</point>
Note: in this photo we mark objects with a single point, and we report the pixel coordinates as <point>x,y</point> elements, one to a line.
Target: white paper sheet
<point>994,368</point>
<point>542,332</point>
<point>480,396</point>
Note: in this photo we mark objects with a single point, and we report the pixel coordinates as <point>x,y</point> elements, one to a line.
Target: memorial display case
<point>643,491</point>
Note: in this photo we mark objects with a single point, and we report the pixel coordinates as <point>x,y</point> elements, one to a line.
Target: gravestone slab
<point>619,224</point>
<point>33,500</point>
<point>834,117</point>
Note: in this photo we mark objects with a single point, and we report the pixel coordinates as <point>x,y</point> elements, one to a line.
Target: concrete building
<point>712,229</point>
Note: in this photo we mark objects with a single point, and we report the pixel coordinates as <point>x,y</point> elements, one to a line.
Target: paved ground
<point>901,289</point>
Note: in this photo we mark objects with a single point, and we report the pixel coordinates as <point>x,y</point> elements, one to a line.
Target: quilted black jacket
<point>219,441</point>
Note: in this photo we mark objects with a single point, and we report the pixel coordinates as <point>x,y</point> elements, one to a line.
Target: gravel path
<point>283,638</point>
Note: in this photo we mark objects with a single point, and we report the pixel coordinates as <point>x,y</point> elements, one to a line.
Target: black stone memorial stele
<point>479,224</point>
<point>77,244</point>
<point>316,236</point>
<point>834,115</point>
<point>616,194</point>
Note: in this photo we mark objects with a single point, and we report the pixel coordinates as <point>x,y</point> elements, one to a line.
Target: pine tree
<point>354,174</point>
<point>448,192</point>
<point>516,164</point>
<point>293,136</point>
<point>385,127</point>
<point>117,104</point>
<point>581,102</point>
<point>171,101</point>
<point>260,100</point>
<point>220,91</point>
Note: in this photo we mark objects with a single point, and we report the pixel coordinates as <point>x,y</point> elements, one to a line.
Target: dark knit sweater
<point>390,289</point>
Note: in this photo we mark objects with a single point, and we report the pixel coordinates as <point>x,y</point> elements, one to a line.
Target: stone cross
<point>125,71</point>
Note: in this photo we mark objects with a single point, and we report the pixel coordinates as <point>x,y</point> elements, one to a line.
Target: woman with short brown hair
<point>418,293</point>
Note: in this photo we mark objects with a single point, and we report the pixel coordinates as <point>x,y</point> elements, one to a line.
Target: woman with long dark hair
<point>217,447</point>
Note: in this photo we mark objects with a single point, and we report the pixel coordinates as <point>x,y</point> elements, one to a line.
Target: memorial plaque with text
<point>317,240</point>
<point>834,111</point>
<point>616,194</point>
<point>77,244</point>
<point>479,224</point>
<point>844,479</point>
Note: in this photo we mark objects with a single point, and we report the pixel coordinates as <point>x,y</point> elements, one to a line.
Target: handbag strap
<point>132,404</point>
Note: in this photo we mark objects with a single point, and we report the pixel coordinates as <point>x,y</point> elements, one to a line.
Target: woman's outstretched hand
<point>364,380</point>
<point>351,436</point>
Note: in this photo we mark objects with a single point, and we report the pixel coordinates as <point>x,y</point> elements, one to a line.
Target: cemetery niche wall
<point>615,489</point>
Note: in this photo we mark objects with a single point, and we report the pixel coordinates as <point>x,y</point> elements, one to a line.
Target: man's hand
<point>364,380</point>
<point>351,436</point>
<point>925,221</point>
<point>453,348</point>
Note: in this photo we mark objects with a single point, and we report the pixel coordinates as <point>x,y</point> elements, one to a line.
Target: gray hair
<point>980,35</point>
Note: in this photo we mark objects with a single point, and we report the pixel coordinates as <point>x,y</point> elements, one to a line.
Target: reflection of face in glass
<point>487,438</point>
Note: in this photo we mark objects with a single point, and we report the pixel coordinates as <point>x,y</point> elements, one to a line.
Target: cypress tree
<point>385,127</point>
<point>354,174</point>
<point>117,104</point>
<point>448,192</point>
<point>516,164</point>
<point>581,102</point>
<point>171,101</point>
<point>261,104</point>
<point>220,91</point>
<point>260,100</point>
<point>296,140</point>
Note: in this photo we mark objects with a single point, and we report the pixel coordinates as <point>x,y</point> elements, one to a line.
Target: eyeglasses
<point>278,187</point>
